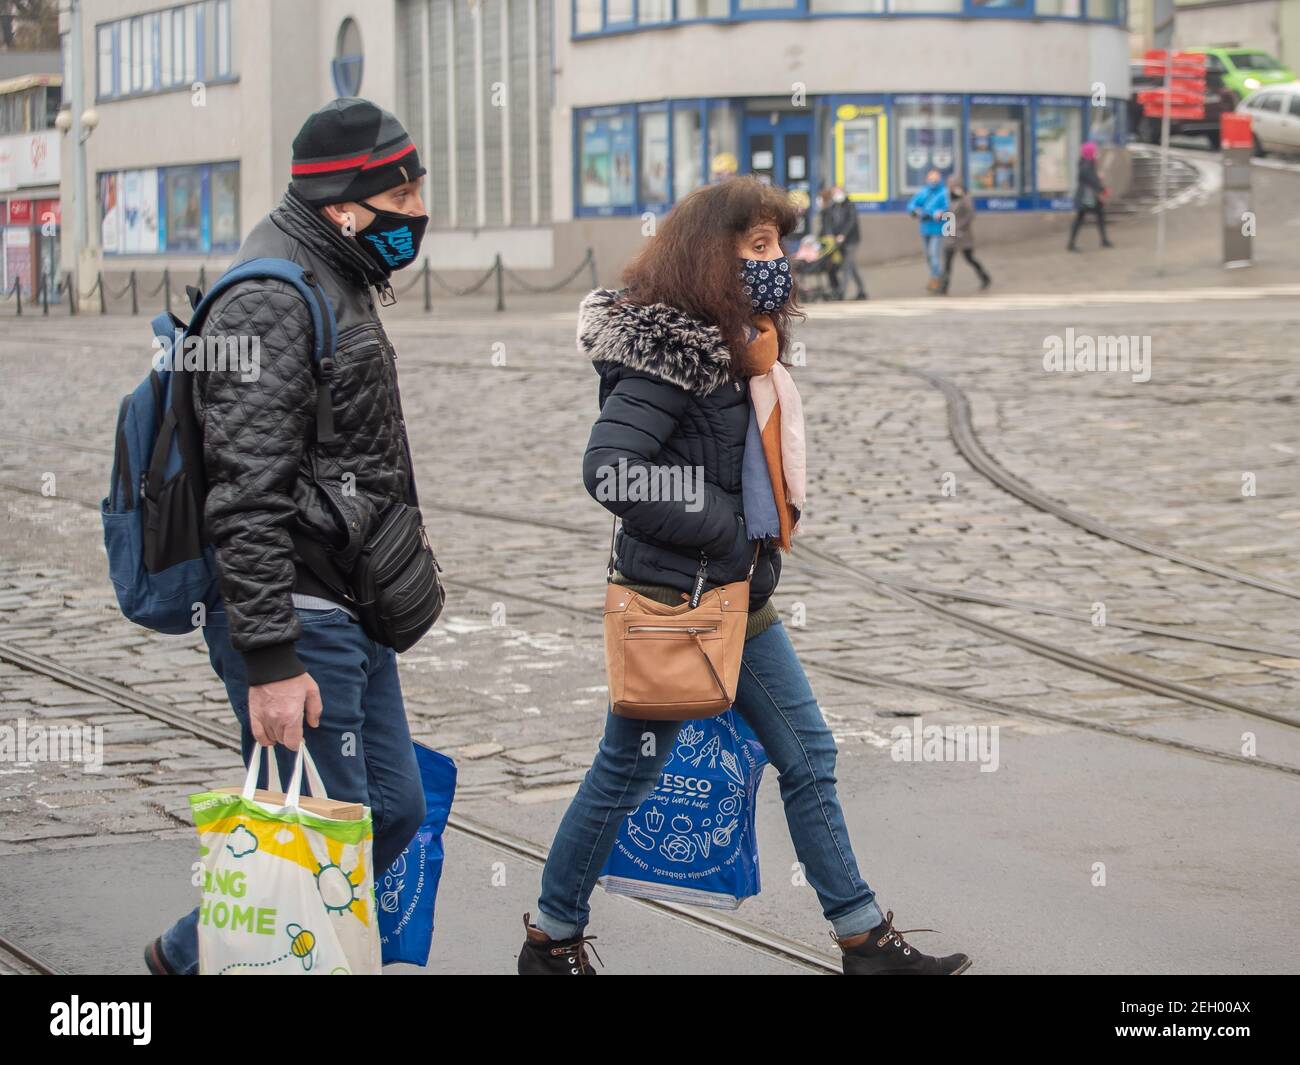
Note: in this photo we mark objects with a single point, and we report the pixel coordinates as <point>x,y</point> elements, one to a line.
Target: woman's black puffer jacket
<point>668,402</point>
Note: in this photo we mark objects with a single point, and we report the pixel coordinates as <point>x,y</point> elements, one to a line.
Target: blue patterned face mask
<point>767,282</point>
<point>392,239</point>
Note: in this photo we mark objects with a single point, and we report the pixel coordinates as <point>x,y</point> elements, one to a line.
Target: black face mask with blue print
<point>392,239</point>
<point>767,282</point>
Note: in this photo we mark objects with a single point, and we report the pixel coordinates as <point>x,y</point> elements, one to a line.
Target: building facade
<point>30,210</point>
<point>551,126</point>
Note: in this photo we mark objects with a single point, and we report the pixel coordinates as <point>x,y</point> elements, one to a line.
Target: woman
<point>1089,195</point>
<point>962,237</point>
<point>706,311</point>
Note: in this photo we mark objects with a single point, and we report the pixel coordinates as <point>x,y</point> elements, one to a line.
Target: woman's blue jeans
<point>362,746</point>
<point>774,697</point>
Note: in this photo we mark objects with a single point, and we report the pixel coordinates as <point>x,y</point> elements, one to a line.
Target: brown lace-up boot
<point>543,956</point>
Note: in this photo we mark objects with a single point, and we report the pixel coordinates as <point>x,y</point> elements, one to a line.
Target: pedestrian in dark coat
<point>687,354</point>
<point>959,235</point>
<point>1089,196</point>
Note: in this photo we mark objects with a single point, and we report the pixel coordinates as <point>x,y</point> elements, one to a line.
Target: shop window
<point>767,5</point>
<point>1107,10</point>
<point>927,135</point>
<point>724,141</point>
<point>1057,136</point>
<point>996,149</point>
<point>225,206</point>
<point>688,150</point>
<point>183,202</point>
<point>605,147</point>
<point>653,157</point>
<point>860,147</point>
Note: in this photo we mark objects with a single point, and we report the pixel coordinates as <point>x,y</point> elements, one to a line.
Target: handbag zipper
<point>672,628</point>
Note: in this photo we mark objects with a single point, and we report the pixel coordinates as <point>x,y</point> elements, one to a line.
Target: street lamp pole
<point>76,108</point>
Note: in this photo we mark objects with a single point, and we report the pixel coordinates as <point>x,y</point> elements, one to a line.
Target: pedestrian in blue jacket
<point>930,205</point>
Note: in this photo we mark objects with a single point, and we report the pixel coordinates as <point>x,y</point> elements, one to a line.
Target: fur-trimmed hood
<point>655,339</point>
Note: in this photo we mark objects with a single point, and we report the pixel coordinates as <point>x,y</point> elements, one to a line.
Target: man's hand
<point>276,710</point>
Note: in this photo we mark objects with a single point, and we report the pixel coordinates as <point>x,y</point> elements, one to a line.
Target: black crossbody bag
<point>391,580</point>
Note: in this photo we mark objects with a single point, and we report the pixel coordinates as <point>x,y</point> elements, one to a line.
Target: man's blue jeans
<point>774,697</point>
<point>362,746</point>
<point>933,245</point>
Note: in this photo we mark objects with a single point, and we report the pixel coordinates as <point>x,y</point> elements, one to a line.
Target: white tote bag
<point>287,881</point>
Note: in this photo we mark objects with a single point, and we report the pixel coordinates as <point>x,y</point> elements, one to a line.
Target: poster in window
<point>184,206</point>
<point>225,207</point>
<point>110,214</point>
<point>1054,154</point>
<point>621,176</point>
<point>654,157</point>
<point>594,163</point>
<point>860,150</point>
<point>929,143</point>
<point>139,191</point>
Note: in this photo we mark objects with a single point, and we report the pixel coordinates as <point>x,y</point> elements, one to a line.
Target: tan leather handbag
<point>674,663</point>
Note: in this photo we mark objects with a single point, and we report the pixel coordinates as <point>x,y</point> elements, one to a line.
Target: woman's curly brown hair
<point>691,262</point>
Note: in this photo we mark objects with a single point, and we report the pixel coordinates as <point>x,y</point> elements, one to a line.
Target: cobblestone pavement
<point>513,687</point>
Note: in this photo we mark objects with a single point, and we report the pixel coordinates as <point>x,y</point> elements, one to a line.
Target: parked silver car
<point>1275,118</point>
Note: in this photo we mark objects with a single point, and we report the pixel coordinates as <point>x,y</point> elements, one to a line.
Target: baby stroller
<point>815,263</point>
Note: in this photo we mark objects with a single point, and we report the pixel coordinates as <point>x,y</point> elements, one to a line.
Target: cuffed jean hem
<point>555,929</point>
<point>859,921</point>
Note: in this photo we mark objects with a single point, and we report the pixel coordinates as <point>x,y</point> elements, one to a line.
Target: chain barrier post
<point>203,279</point>
<point>428,288</point>
<point>18,291</point>
<point>45,295</point>
<point>99,284</point>
<point>167,290</point>
<point>71,290</point>
<point>591,261</point>
<point>135,294</point>
<point>501,288</point>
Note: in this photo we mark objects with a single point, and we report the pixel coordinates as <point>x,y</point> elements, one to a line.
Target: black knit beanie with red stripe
<point>349,150</point>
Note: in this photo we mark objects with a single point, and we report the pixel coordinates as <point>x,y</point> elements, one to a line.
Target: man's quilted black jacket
<point>259,437</point>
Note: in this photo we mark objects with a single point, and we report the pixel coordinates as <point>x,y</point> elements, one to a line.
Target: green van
<point>1243,70</point>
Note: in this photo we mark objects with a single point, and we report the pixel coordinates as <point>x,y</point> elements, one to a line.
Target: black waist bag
<point>395,582</point>
<point>394,586</point>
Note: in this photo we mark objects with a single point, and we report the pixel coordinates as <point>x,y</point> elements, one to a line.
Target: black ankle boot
<point>884,952</point>
<point>543,956</point>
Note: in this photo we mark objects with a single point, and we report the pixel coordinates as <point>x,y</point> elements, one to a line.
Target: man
<point>281,640</point>
<point>842,223</point>
<point>929,205</point>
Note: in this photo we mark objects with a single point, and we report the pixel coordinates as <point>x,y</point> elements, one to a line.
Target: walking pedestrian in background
<point>961,235</point>
<point>929,205</point>
<point>1089,195</point>
<point>842,224</point>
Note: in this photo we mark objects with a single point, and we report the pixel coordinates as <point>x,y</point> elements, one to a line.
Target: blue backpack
<point>159,560</point>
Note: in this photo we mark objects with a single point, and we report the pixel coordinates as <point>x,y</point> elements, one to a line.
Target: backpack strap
<point>324,325</point>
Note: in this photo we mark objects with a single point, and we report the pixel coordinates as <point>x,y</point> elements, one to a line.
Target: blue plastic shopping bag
<point>405,893</point>
<point>693,840</point>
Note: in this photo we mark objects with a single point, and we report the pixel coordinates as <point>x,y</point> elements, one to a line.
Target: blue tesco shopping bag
<point>693,840</point>
<point>405,893</point>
